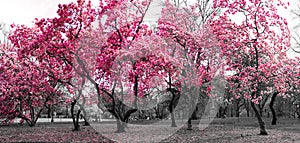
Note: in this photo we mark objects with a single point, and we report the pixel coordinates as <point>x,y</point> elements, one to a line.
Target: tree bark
<point>84,116</point>
<point>260,120</point>
<point>261,112</point>
<point>194,114</point>
<point>171,108</point>
<point>237,112</point>
<point>120,126</point>
<point>248,114</point>
<point>173,104</point>
<point>77,118</point>
<point>189,124</point>
<point>86,123</point>
<point>76,125</point>
<point>33,120</point>
<point>173,120</point>
<point>49,112</point>
<point>246,105</point>
<point>274,117</point>
<point>52,120</point>
<point>238,107</point>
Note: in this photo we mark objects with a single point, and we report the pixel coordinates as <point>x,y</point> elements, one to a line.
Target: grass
<point>46,132</point>
<point>241,130</point>
<point>236,130</point>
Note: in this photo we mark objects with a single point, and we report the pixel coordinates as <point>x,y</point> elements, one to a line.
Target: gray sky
<point>24,11</point>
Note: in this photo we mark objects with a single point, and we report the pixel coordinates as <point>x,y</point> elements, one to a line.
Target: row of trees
<point>109,57</point>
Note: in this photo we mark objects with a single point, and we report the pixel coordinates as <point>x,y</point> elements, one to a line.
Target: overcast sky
<point>24,11</point>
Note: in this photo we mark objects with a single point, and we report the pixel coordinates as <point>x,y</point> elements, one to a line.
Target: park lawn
<point>46,132</point>
<point>234,130</point>
<point>241,130</point>
<point>232,134</point>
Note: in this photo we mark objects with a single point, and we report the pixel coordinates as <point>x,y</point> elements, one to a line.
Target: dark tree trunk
<point>237,111</point>
<point>49,112</point>
<point>52,120</point>
<point>274,117</point>
<point>173,104</point>
<point>222,112</point>
<point>76,125</point>
<point>77,118</point>
<point>246,105</point>
<point>260,120</point>
<point>261,112</point>
<point>237,114</point>
<point>219,115</point>
<point>32,122</point>
<point>248,113</point>
<point>189,124</point>
<point>194,115</point>
<point>86,123</point>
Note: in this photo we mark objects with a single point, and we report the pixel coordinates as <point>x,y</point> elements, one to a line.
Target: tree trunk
<point>77,118</point>
<point>32,122</point>
<point>237,112</point>
<point>189,124</point>
<point>122,118</point>
<point>220,112</point>
<point>120,126</point>
<point>248,113</point>
<point>67,111</point>
<point>84,116</point>
<point>52,120</point>
<point>260,120</point>
<point>246,105</point>
<point>194,114</point>
<point>173,104</point>
<point>86,123</point>
<point>172,115</point>
<point>76,125</point>
<point>261,112</point>
<point>273,98</point>
<point>173,120</point>
<point>49,112</point>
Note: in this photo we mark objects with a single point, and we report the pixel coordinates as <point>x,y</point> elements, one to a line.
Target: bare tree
<point>5,30</point>
<point>296,28</point>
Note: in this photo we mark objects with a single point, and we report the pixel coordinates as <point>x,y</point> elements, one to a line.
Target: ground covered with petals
<point>57,132</point>
<point>235,130</point>
<point>243,130</point>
